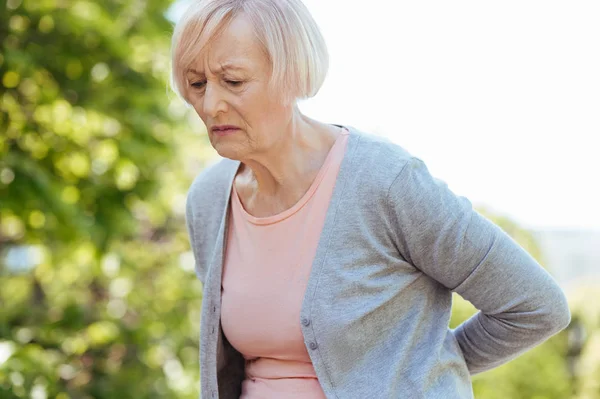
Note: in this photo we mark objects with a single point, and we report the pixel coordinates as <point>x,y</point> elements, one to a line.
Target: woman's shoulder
<point>377,158</point>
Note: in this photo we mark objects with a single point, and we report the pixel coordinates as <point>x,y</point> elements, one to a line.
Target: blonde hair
<point>288,33</point>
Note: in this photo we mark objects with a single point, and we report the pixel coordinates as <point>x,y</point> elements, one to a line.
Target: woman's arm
<point>520,304</point>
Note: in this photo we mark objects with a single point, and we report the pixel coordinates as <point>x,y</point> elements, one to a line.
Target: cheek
<point>196,103</point>
<point>260,109</point>
<point>250,108</point>
<point>199,112</point>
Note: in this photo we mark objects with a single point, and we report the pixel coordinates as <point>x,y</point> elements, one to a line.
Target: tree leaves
<point>92,291</point>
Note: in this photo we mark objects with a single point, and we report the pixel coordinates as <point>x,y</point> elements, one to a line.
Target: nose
<point>214,103</point>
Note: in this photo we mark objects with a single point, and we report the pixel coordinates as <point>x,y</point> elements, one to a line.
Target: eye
<point>199,84</point>
<point>234,83</point>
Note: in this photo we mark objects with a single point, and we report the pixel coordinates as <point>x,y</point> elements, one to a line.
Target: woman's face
<point>229,89</point>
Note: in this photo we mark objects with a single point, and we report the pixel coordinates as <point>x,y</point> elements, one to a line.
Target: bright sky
<point>500,99</point>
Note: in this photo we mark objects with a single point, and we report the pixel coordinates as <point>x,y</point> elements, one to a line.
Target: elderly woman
<point>328,256</point>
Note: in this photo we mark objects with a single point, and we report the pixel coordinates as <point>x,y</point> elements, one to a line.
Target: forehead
<point>235,48</point>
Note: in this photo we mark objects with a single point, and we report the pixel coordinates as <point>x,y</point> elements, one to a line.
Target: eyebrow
<point>222,68</point>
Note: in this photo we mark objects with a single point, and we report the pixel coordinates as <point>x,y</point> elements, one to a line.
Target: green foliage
<point>96,299</point>
<point>85,116</point>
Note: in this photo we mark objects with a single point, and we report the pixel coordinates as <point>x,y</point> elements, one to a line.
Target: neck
<point>283,173</point>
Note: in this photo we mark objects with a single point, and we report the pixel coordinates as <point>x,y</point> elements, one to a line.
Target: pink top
<point>267,264</point>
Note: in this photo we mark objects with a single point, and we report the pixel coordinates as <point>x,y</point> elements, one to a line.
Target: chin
<point>226,150</point>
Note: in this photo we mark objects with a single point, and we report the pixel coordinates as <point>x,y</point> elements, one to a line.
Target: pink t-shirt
<point>267,264</point>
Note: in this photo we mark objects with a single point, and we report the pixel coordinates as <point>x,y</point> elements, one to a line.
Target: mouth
<point>223,130</point>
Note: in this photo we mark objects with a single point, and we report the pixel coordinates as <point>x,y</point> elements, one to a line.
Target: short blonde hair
<point>286,29</point>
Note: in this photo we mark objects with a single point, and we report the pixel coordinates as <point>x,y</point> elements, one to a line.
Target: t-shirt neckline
<point>303,200</point>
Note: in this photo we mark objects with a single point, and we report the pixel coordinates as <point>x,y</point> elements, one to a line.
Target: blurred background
<point>98,296</point>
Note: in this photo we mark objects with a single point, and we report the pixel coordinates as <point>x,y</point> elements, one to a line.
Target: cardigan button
<point>313,345</point>
<point>306,322</point>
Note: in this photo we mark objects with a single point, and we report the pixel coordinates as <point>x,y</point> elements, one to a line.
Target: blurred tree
<point>95,298</point>
<point>84,115</point>
<point>584,340</point>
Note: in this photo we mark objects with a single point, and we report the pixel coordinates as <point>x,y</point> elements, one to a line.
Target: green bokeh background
<point>98,296</point>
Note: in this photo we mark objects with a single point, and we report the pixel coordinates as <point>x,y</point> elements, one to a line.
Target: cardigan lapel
<point>212,347</point>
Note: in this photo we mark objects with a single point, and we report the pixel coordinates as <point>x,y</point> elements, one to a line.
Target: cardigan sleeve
<point>520,304</point>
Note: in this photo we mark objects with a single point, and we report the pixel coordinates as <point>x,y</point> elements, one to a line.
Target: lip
<point>223,130</point>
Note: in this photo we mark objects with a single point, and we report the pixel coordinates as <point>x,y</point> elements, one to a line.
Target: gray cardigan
<point>395,244</point>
